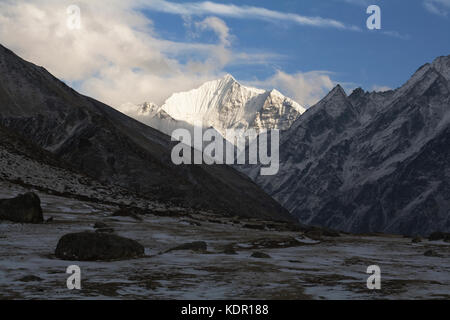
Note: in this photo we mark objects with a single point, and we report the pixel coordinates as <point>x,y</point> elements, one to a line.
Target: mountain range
<point>115,150</point>
<point>223,104</point>
<point>371,161</point>
<point>364,162</point>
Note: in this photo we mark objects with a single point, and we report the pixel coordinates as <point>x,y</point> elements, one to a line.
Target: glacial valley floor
<point>333,268</point>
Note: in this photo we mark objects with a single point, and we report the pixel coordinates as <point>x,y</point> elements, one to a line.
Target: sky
<point>145,50</point>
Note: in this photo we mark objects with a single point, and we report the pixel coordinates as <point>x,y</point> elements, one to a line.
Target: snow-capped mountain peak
<point>223,104</point>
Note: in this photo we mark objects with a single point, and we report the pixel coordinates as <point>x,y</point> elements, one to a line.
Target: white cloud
<point>241,12</point>
<point>117,56</point>
<point>218,26</point>
<point>306,88</point>
<point>438,7</point>
<point>398,35</point>
<point>378,88</point>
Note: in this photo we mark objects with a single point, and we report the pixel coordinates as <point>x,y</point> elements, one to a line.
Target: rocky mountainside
<point>25,164</point>
<point>371,161</point>
<point>107,145</point>
<point>221,104</point>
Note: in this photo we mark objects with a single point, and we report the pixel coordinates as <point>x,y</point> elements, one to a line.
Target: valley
<point>329,268</point>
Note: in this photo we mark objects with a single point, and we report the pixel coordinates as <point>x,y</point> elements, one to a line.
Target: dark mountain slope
<point>113,148</point>
<point>371,161</point>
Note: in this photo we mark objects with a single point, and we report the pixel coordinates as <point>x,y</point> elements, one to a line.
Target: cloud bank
<point>117,56</point>
<point>242,12</point>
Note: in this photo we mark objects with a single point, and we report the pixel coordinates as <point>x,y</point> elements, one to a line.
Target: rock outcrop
<point>25,208</point>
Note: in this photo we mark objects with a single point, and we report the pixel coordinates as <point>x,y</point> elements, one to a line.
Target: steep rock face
<point>113,148</point>
<point>371,161</point>
<point>221,104</point>
<point>277,112</point>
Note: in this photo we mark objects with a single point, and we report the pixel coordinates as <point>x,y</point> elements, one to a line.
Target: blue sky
<point>410,36</point>
<point>145,50</point>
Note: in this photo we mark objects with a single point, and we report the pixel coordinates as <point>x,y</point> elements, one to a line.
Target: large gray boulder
<point>91,246</point>
<point>25,208</point>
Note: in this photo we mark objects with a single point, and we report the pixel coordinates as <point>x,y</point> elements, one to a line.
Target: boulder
<point>30,278</point>
<point>91,246</point>
<point>314,235</point>
<point>275,243</point>
<point>254,226</point>
<point>198,246</point>
<point>100,225</point>
<point>229,249</point>
<point>25,208</point>
<point>260,255</point>
<point>331,233</point>
<point>436,236</point>
<point>416,240</point>
<point>129,212</point>
<point>432,253</point>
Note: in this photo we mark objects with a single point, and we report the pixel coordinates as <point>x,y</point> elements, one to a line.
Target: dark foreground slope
<point>371,162</point>
<point>113,148</point>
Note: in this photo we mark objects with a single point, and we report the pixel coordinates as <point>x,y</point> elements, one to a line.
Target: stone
<point>25,208</point>
<point>197,246</point>
<point>260,255</point>
<point>92,246</point>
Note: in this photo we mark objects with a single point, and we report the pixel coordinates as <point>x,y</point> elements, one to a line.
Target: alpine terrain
<point>106,145</point>
<point>371,161</point>
<point>82,184</point>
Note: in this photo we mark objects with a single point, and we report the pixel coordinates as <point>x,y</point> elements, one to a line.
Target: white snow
<point>221,104</point>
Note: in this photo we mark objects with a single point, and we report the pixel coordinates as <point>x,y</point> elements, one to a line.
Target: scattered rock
<point>25,208</point>
<point>198,246</point>
<point>215,221</point>
<point>331,233</point>
<point>314,235</point>
<point>260,255</point>
<point>30,278</point>
<point>416,240</point>
<point>229,249</point>
<point>100,225</point>
<point>128,212</point>
<point>192,223</point>
<point>275,243</point>
<point>254,226</point>
<point>436,236</point>
<point>432,253</point>
<point>91,246</point>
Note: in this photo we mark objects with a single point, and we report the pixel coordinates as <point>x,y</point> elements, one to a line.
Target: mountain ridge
<point>222,104</point>
<point>344,163</point>
<point>114,148</point>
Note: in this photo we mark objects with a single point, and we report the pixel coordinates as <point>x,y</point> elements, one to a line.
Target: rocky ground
<point>270,262</point>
